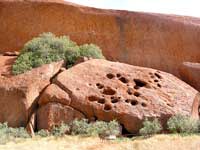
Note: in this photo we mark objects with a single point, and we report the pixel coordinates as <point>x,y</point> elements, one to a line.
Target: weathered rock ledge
<point>96,90</point>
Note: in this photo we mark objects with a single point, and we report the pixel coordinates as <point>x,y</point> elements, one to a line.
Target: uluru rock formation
<point>95,89</point>
<point>145,39</point>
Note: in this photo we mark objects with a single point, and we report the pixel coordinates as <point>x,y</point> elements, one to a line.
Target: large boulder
<point>190,73</point>
<point>107,90</point>
<point>19,94</point>
<point>145,39</point>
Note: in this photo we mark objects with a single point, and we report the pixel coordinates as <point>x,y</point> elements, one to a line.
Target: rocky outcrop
<point>19,94</point>
<point>151,40</point>
<point>53,114</point>
<point>6,65</point>
<point>190,73</point>
<point>95,89</point>
<point>107,90</point>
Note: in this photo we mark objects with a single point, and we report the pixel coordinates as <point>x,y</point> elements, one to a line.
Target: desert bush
<point>48,48</point>
<point>82,127</point>
<point>150,127</point>
<point>45,49</point>
<point>43,133</point>
<point>8,133</point>
<point>182,124</point>
<point>60,130</point>
<point>91,50</point>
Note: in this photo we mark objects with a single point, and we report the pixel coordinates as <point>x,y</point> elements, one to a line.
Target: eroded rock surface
<point>110,90</point>
<point>53,114</point>
<point>6,65</point>
<point>145,39</point>
<point>18,94</point>
<point>190,73</point>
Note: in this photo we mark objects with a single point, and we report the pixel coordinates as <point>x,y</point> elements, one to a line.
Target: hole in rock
<point>150,73</point>
<point>127,100</point>
<point>155,80</point>
<point>136,87</point>
<point>118,75</point>
<point>90,84</point>
<point>134,102</point>
<point>159,85</point>
<point>168,104</point>
<point>115,100</point>
<point>123,80</point>
<point>144,104</point>
<point>101,100</point>
<point>109,91</point>
<point>129,91</point>
<point>77,89</point>
<point>140,83</point>
<point>93,98</point>
<point>99,85</point>
<point>110,76</point>
<point>158,76</point>
<point>152,76</point>
<point>137,94</point>
<point>107,107</point>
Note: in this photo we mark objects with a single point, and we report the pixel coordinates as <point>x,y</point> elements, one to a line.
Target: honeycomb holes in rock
<point>96,99</point>
<point>109,91</point>
<point>115,100</point>
<point>158,76</point>
<point>139,83</point>
<point>132,101</point>
<point>110,76</point>
<point>107,107</point>
<point>123,80</point>
<point>100,86</point>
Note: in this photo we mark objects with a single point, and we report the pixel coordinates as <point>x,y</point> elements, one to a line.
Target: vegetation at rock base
<point>48,48</point>
<point>150,127</point>
<point>99,127</point>
<point>8,133</point>
<point>183,124</point>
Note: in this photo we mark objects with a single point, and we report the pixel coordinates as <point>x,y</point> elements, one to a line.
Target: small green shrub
<point>43,133</point>
<point>105,128</point>
<point>182,124</point>
<point>60,130</point>
<point>7,133</point>
<point>48,48</point>
<point>91,50</point>
<point>150,127</point>
<point>82,127</point>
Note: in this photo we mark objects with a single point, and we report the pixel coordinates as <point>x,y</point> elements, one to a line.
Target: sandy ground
<point>158,142</point>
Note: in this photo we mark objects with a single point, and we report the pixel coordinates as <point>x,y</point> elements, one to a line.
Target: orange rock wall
<point>151,40</point>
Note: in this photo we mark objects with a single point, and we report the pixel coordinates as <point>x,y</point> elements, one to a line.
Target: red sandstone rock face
<point>151,40</point>
<point>190,73</point>
<point>54,94</point>
<point>18,94</point>
<point>6,65</point>
<point>109,90</point>
<point>53,114</point>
